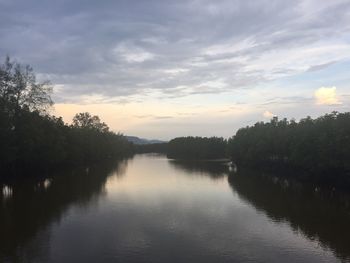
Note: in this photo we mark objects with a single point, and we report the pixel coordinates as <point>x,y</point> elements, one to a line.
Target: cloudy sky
<point>161,69</point>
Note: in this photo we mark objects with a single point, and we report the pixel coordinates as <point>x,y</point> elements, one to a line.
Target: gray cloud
<point>321,66</point>
<point>175,48</point>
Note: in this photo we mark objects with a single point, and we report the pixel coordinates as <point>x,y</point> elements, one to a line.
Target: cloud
<point>123,48</point>
<point>268,115</point>
<point>327,96</point>
<point>133,54</point>
<point>322,66</point>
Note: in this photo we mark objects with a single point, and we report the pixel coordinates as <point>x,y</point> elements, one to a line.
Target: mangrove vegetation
<point>31,138</point>
<point>313,149</point>
<point>196,148</point>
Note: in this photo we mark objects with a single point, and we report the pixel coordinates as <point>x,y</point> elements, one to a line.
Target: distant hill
<point>137,140</point>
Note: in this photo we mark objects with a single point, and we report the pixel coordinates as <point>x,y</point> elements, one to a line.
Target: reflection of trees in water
<point>214,170</point>
<point>321,216</point>
<point>25,216</point>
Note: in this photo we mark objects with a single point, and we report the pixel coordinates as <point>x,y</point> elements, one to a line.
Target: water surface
<point>150,209</point>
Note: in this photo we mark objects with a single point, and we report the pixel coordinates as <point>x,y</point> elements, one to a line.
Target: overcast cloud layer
<point>102,51</point>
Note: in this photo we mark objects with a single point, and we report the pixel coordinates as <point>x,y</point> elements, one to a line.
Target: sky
<point>163,69</point>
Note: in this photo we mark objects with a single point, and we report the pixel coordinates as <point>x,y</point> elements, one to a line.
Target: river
<point>151,209</point>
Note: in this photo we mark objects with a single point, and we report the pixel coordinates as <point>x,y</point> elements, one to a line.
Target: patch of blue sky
<point>336,74</point>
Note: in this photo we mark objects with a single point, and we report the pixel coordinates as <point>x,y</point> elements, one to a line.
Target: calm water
<point>150,209</point>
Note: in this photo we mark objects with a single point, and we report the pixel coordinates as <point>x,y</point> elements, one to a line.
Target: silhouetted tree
<point>86,121</point>
<point>319,146</point>
<point>152,148</point>
<point>19,88</point>
<point>31,139</point>
<point>196,148</point>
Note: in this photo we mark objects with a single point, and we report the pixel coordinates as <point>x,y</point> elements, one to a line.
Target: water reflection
<point>321,216</point>
<point>34,205</point>
<point>43,185</point>
<point>158,210</point>
<point>7,191</point>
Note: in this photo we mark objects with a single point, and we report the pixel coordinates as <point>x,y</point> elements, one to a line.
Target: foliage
<point>197,148</point>
<point>86,121</point>
<point>31,139</point>
<point>20,90</point>
<point>319,146</point>
<point>152,148</point>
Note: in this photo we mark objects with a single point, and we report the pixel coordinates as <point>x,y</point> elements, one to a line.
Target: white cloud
<point>138,56</point>
<point>327,96</point>
<point>268,114</point>
<point>297,59</point>
<point>133,54</point>
<point>175,71</point>
<point>230,48</point>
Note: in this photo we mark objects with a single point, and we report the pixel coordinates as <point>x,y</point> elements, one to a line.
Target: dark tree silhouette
<point>32,139</point>
<point>197,148</point>
<point>319,149</point>
<point>86,121</point>
<point>19,88</point>
<point>152,148</point>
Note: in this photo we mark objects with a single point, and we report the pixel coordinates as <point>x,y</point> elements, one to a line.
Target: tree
<point>196,148</point>
<point>30,139</point>
<point>319,149</point>
<point>19,89</point>
<point>85,120</point>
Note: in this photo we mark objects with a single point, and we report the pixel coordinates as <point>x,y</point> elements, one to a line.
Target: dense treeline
<point>320,148</point>
<point>197,148</point>
<point>152,148</point>
<point>30,138</point>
